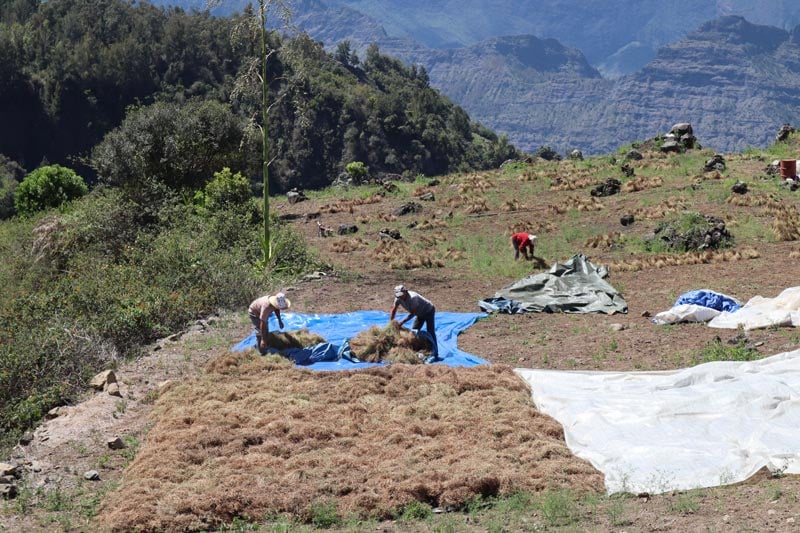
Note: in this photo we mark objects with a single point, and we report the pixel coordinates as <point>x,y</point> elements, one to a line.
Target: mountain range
<point>569,75</point>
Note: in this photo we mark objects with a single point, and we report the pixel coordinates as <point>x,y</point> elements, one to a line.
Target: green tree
<point>48,186</point>
<point>177,145</point>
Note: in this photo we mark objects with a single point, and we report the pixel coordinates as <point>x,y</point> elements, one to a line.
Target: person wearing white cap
<point>522,242</point>
<point>418,307</point>
<point>260,310</point>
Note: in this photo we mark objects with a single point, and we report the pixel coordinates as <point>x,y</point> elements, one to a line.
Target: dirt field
<point>477,260</point>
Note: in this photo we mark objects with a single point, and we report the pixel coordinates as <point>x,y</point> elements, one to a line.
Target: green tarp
<point>575,286</point>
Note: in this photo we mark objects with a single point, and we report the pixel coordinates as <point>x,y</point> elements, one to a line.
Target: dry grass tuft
<point>345,246</point>
<point>794,254</point>
<point>390,343</point>
<point>276,439</point>
<point>689,258</point>
<point>420,191</point>
<point>642,183</point>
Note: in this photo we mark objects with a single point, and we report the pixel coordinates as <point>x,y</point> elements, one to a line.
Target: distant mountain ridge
<point>736,81</point>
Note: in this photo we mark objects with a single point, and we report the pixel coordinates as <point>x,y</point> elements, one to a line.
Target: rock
<point>295,195</point>
<point>576,155</point>
<point>410,207</point>
<point>8,492</point>
<point>91,475</point>
<point>784,133</point>
<point>428,197</point>
<point>102,379</point>
<point>715,163</point>
<point>627,170</point>
<point>634,155</point>
<point>616,327</point>
<point>346,229</point>
<point>116,443</point>
<point>607,188</point>
<point>113,390</point>
<point>671,146</point>
<point>7,469</point>
<point>739,187</point>
<point>626,220</point>
<point>26,438</point>
<point>433,183</point>
<point>389,233</point>
<point>55,412</point>
<point>7,480</point>
<point>682,128</point>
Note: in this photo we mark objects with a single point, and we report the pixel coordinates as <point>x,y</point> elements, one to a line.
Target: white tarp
<point>686,313</point>
<point>713,424</point>
<point>760,312</point>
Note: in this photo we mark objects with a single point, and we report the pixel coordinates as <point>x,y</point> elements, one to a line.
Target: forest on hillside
<point>120,91</point>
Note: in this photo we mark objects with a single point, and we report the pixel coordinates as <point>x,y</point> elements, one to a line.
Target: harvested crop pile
<point>390,343</point>
<point>266,438</point>
<point>301,338</point>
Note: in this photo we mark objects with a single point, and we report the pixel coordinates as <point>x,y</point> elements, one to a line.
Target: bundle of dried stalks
<point>569,183</point>
<point>454,255</point>
<point>478,205</point>
<point>642,183</point>
<point>475,184</point>
<point>388,250</point>
<point>431,224</point>
<point>275,439</point>
<point>512,205</point>
<point>301,338</point>
<point>689,258</point>
<point>418,260</point>
<point>583,204</point>
<point>458,200</point>
<point>605,241</point>
<point>754,200</point>
<point>671,205</point>
<point>344,246</point>
<point>420,191</point>
<point>794,254</point>
<point>531,175</point>
<point>432,240</point>
<point>786,223</point>
<point>376,344</point>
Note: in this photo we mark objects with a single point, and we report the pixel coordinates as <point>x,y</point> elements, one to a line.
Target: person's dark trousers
<point>430,327</point>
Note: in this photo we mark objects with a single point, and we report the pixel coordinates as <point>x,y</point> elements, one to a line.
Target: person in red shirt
<point>522,242</point>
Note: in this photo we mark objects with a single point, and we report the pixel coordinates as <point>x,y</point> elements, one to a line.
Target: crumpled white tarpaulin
<point>712,424</point>
<point>760,312</point>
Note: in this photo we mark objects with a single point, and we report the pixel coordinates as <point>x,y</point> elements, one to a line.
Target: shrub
<point>356,170</point>
<point>48,186</point>
<point>227,190</point>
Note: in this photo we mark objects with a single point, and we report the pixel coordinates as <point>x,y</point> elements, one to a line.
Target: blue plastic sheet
<point>708,298</point>
<point>340,328</point>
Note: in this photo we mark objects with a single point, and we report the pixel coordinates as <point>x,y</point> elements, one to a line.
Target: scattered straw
<point>272,439</point>
<point>376,344</point>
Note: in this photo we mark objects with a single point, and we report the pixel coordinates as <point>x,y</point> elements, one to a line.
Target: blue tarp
<point>708,298</point>
<point>340,328</point>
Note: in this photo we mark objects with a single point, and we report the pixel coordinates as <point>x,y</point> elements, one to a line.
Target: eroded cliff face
<point>734,80</point>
